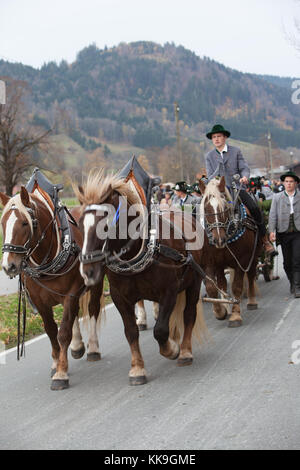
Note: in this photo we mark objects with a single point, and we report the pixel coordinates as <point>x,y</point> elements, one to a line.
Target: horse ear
<point>4,198</point>
<point>25,196</point>
<point>222,184</point>
<point>201,187</point>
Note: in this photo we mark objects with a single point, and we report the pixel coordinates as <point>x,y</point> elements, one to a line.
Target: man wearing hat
<point>284,220</point>
<point>226,160</point>
<point>182,199</point>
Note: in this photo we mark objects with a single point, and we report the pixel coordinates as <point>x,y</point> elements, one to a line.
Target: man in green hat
<point>284,219</point>
<point>228,161</point>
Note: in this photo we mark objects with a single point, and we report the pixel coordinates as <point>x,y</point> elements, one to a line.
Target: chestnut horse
<point>31,237</point>
<point>137,269</point>
<point>238,250</point>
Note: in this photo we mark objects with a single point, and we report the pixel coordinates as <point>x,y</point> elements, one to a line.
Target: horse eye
<point>24,223</point>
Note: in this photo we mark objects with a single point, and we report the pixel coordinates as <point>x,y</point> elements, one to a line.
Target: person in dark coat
<point>284,226</point>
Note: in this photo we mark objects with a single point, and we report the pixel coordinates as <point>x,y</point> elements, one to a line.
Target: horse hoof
<point>184,361</point>
<point>59,384</point>
<point>52,373</point>
<point>93,357</point>
<point>138,380</point>
<point>142,327</point>
<point>234,323</point>
<point>251,306</point>
<point>176,355</point>
<point>79,353</point>
<point>222,318</point>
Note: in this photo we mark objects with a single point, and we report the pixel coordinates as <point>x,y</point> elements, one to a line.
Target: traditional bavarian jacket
<point>230,163</point>
<point>188,202</point>
<point>284,216</point>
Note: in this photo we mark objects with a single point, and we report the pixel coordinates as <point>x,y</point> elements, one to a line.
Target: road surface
<point>242,391</point>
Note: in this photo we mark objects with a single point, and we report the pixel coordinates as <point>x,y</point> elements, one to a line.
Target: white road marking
<point>286,312</point>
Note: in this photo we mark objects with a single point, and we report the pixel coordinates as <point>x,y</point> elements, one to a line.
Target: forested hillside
<point>127,93</point>
<point>111,103</point>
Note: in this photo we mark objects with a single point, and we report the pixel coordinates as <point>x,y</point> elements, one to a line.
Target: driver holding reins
<point>226,160</point>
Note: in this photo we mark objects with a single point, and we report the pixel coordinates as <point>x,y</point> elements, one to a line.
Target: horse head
<point>215,211</point>
<point>103,199</point>
<point>18,224</point>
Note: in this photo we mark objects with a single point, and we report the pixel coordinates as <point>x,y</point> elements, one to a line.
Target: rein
<point>21,306</point>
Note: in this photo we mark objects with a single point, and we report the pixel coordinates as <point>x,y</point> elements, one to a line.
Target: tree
<point>17,138</point>
<point>95,159</point>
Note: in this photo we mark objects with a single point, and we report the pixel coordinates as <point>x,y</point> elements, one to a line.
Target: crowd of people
<point>182,193</point>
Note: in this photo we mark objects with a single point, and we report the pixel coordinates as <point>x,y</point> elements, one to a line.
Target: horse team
<point>156,268</point>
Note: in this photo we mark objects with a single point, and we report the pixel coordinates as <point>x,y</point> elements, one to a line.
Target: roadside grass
<point>34,322</point>
<point>9,320</point>
<point>70,201</point>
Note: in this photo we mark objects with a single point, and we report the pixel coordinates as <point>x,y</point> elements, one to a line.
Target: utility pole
<point>179,152</point>
<point>270,155</point>
<point>291,160</point>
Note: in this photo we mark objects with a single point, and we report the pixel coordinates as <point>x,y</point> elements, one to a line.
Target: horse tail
<point>176,322</point>
<point>84,308</point>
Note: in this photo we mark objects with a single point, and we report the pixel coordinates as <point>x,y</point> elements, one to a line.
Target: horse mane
<point>212,190</point>
<point>99,186</point>
<point>16,202</point>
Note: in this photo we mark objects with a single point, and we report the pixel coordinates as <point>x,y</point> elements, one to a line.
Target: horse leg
<point>94,308</point>
<point>167,346</point>
<point>141,317</point>
<point>192,296</point>
<point>77,345</point>
<point>155,310</point>
<point>252,302</point>
<point>235,319</point>
<point>137,373</point>
<point>60,380</point>
<point>51,330</point>
<point>219,310</point>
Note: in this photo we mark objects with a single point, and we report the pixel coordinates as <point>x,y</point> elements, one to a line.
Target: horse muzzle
<point>90,273</point>
<point>11,270</point>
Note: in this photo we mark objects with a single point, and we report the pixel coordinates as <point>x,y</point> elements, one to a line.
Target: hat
<point>216,130</point>
<point>291,174</point>
<point>181,186</point>
<point>195,188</point>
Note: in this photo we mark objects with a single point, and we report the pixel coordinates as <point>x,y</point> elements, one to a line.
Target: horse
<point>140,267</point>
<point>32,240</point>
<point>141,316</point>
<point>229,243</point>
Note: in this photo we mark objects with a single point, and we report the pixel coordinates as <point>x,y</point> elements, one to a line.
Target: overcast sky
<point>247,35</point>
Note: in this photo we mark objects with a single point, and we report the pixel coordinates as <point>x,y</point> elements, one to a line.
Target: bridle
<point>217,224</point>
<point>113,260</point>
<point>22,249</point>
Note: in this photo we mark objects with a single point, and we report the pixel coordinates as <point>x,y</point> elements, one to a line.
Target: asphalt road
<point>242,391</point>
<point>7,285</point>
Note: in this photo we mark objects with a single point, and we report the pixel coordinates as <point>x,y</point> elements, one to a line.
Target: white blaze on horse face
<point>88,223</point>
<point>10,223</point>
<point>214,204</point>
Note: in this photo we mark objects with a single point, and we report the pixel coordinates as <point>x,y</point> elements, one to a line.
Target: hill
<point>124,96</point>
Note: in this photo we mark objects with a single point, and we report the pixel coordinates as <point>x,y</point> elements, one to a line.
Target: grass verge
<point>34,323</point>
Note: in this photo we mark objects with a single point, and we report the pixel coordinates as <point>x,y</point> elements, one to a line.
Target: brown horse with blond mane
<point>139,268</point>
<point>228,245</point>
<point>32,238</point>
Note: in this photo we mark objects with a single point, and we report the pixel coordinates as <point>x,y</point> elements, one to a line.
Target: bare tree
<point>17,137</point>
<point>292,30</point>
